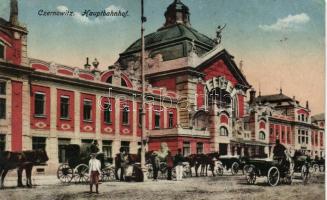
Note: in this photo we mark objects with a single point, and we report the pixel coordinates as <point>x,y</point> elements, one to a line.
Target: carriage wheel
<point>108,174</point>
<point>65,173</point>
<point>150,171</point>
<point>234,168</point>
<point>219,169</point>
<point>250,175</point>
<point>288,179</point>
<point>322,168</point>
<point>305,174</point>
<point>186,172</point>
<point>81,173</point>
<point>245,169</point>
<point>273,176</point>
<point>315,167</point>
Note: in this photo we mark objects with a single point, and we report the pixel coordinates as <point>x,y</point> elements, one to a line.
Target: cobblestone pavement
<point>198,188</point>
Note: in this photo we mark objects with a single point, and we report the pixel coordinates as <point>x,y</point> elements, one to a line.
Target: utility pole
<point>143,19</point>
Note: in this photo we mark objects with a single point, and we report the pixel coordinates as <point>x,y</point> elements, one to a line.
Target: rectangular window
<point>87,115</point>
<point>38,143</point>
<point>186,148</point>
<point>86,141</point>
<point>107,148</point>
<point>140,117</point>
<point>62,143</point>
<point>39,103</point>
<point>157,120</point>
<point>125,115</point>
<point>2,51</point>
<point>199,147</point>
<point>2,108</point>
<point>64,107</point>
<point>107,113</point>
<point>2,88</point>
<point>271,131</point>
<point>2,143</point>
<point>171,120</point>
<point>125,146</point>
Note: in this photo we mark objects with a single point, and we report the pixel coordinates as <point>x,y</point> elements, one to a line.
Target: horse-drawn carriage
<point>275,171</point>
<point>302,164</point>
<point>318,165</point>
<point>232,163</point>
<point>76,168</point>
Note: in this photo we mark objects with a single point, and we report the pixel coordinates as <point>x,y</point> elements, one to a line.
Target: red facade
<point>12,48</point>
<point>169,83</point>
<point>17,118</point>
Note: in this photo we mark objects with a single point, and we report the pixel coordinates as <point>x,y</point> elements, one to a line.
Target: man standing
<point>170,165</point>
<point>179,165</point>
<point>94,172</point>
<point>122,158</point>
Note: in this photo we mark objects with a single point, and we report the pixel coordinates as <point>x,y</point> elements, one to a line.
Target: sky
<point>281,43</point>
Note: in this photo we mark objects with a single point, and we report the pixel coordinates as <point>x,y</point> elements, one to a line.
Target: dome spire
<point>177,13</point>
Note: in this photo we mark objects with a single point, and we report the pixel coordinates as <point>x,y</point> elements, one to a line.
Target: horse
<point>195,160</point>
<point>8,161</point>
<point>21,161</point>
<point>208,160</point>
<point>28,160</point>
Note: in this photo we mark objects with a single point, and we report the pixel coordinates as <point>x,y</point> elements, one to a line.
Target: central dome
<point>173,40</point>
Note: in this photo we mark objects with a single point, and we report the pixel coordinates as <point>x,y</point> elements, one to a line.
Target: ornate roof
<point>318,117</point>
<point>174,39</point>
<point>273,98</point>
<point>171,34</point>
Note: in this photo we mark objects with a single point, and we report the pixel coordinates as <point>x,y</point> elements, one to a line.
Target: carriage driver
<point>94,172</point>
<point>280,153</point>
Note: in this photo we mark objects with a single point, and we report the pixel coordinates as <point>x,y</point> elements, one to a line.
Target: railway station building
<point>198,99</point>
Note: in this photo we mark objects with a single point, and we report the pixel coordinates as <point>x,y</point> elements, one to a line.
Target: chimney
<point>252,96</point>
<point>87,65</point>
<point>14,12</point>
<point>307,105</point>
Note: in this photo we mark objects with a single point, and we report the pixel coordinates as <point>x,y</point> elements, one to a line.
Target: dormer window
<point>2,50</point>
<point>109,80</point>
<point>123,82</point>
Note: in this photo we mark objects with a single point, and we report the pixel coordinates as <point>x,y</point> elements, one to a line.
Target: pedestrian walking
<point>94,172</point>
<point>179,165</point>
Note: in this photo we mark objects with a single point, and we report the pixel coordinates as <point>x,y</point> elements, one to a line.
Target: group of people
<point>171,161</point>
<point>163,155</point>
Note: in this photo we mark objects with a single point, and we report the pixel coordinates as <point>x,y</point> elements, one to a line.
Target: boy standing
<point>94,172</point>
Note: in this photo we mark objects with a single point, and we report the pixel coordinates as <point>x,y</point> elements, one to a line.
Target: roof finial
<point>280,87</point>
<point>259,89</point>
<point>14,12</point>
<point>218,33</point>
<point>241,66</point>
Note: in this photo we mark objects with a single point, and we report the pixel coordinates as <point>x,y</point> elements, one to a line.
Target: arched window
<point>2,50</point>
<point>262,135</point>
<point>235,108</point>
<point>123,82</point>
<point>223,131</point>
<point>109,80</point>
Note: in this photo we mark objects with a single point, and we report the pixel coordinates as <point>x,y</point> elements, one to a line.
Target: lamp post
<point>143,19</point>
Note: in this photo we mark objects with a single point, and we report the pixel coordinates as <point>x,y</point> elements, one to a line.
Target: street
<point>220,187</point>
